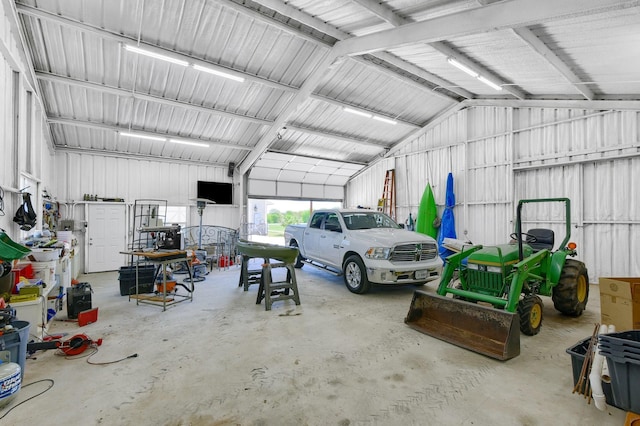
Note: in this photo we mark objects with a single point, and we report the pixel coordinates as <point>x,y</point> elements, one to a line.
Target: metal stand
<point>272,291</point>
<point>163,259</point>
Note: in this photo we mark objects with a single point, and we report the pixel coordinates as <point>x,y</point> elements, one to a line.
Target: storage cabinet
<point>36,312</point>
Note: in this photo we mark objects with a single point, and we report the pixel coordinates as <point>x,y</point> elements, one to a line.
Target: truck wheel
<point>299,260</point>
<point>572,292</point>
<point>530,313</point>
<point>355,275</point>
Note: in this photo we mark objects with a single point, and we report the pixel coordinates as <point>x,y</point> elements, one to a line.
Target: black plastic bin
<point>629,340</point>
<point>620,351</point>
<point>578,353</point>
<point>625,381</point>
<point>127,278</point>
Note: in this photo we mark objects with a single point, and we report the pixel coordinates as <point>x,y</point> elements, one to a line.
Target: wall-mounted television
<point>218,192</point>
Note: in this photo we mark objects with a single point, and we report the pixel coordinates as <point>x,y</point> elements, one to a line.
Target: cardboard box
<point>620,302</point>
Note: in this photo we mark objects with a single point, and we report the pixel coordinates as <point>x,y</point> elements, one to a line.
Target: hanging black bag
<point>25,215</point>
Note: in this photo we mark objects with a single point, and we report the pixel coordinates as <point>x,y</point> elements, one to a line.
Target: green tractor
<point>496,291</point>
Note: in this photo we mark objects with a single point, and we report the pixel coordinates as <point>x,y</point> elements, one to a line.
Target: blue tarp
<point>448,225</point>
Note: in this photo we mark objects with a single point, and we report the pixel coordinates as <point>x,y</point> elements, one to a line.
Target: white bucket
<point>45,271</point>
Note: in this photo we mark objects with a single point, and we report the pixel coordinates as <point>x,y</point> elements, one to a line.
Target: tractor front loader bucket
<point>486,330</point>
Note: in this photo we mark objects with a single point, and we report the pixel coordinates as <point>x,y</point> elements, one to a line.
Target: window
<point>332,223</point>
<point>29,155</point>
<point>316,221</point>
<point>175,214</point>
<point>368,220</point>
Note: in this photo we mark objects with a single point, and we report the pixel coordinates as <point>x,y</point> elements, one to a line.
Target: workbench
<point>162,258</point>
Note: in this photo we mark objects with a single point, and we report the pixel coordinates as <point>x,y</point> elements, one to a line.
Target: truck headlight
<point>378,253</point>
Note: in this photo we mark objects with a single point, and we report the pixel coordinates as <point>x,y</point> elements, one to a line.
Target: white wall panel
<point>15,158</point>
<point>132,179</point>
<point>501,155</point>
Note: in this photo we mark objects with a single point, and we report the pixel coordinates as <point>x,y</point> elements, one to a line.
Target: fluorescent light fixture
<point>184,142</point>
<point>464,68</point>
<point>489,83</point>
<point>139,136</point>
<point>472,73</point>
<point>385,120</point>
<point>218,73</point>
<point>155,55</point>
<point>355,111</point>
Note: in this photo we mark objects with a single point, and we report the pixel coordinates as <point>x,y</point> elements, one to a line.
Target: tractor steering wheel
<point>530,238</point>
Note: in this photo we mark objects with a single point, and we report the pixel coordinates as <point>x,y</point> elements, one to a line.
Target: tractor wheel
<point>572,292</point>
<point>530,313</point>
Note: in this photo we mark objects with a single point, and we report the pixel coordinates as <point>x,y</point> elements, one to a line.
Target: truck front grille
<point>414,252</point>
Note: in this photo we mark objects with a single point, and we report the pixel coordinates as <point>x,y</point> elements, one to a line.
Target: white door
<point>106,237</point>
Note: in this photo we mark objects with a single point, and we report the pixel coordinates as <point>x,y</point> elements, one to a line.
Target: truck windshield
<point>368,220</point>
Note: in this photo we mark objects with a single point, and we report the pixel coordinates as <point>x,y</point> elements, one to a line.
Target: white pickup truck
<point>366,247</point>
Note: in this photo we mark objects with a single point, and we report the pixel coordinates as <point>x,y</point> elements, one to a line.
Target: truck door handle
<point>323,236</point>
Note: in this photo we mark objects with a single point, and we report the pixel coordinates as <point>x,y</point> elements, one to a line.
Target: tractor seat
<point>544,239</point>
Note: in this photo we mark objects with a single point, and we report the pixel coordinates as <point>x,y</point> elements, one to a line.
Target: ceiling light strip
<point>163,139</point>
<point>357,112</point>
<point>462,67</point>
<point>184,142</point>
<point>177,61</point>
<point>474,74</point>
<point>141,136</point>
<point>218,73</point>
<point>385,120</point>
<point>489,83</point>
<point>155,55</point>
<point>367,115</point>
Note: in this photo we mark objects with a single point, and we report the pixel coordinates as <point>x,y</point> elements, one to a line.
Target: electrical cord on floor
<point>31,397</point>
<point>94,350</point>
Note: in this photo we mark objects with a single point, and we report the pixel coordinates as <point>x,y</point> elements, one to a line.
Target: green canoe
<point>267,251</point>
<point>427,214</point>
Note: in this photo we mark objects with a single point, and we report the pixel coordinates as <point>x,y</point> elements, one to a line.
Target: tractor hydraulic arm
<point>522,272</point>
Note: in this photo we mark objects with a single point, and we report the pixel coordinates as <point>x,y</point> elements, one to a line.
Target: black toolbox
<point>127,278</point>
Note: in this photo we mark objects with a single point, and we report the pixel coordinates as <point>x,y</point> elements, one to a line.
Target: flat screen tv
<point>218,192</point>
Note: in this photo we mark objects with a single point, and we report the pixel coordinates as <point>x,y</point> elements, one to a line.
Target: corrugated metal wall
<point>133,178</point>
<point>25,155</point>
<point>501,155</point>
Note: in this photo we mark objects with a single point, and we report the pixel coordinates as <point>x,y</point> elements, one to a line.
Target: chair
<point>544,239</point>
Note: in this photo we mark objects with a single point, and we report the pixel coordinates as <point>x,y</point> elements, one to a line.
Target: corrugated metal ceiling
<point>293,99</point>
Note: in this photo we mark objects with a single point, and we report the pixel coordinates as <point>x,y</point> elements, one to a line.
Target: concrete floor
<point>337,359</point>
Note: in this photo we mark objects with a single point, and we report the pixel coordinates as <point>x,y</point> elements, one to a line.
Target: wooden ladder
<point>387,204</point>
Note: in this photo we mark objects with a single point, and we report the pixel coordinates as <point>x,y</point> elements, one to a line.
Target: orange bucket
<point>171,285</point>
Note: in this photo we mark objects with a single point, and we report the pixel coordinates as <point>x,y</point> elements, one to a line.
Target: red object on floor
<point>78,344</point>
<point>87,317</point>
